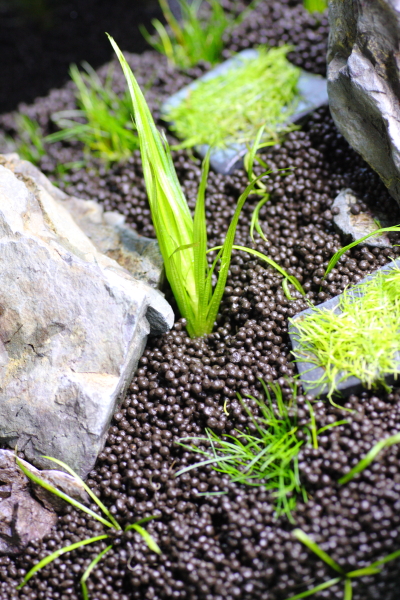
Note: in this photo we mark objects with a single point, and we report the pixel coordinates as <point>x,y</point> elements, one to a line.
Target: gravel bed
<point>233,546</point>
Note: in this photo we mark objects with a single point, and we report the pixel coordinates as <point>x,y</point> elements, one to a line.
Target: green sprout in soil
<point>346,578</point>
<point>268,456</point>
<point>231,108</point>
<point>359,338</point>
<point>370,457</point>
<point>183,239</point>
<point>107,520</point>
<point>199,37</point>
<point>103,120</point>
<point>29,140</point>
<point>316,5</point>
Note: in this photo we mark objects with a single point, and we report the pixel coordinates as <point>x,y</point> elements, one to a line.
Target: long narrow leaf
<point>368,458</point>
<point>313,546</point>
<point>48,559</point>
<point>318,588</point>
<point>146,536</point>
<point>90,568</point>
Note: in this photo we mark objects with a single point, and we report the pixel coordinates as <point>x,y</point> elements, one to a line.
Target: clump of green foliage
<point>231,108</point>
<point>316,5</point>
<point>360,337</point>
<point>346,578</point>
<point>268,456</point>
<point>107,520</point>
<point>103,120</point>
<point>29,139</point>
<point>197,37</point>
<point>183,239</point>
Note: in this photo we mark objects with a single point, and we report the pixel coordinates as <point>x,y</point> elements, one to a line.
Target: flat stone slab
<point>308,372</point>
<point>73,324</point>
<point>354,227</point>
<point>313,94</point>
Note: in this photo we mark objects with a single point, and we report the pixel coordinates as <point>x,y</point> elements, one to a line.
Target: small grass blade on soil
<point>182,239</point>
<point>103,120</point>
<point>29,140</point>
<point>200,35</point>
<point>370,457</point>
<point>316,5</point>
<point>231,108</point>
<point>359,338</point>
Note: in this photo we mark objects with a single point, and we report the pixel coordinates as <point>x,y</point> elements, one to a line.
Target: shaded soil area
<point>231,544</point>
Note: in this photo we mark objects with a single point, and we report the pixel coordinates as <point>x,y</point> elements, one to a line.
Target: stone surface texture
<point>354,227</point>
<point>73,324</point>
<point>364,83</point>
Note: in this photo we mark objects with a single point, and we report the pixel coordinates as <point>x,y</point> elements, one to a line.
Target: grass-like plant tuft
<point>198,37</point>
<point>231,108</point>
<point>107,520</point>
<point>314,6</point>
<point>183,239</point>
<point>359,338</point>
<point>342,576</point>
<point>268,456</point>
<point>103,120</point>
<point>29,140</point>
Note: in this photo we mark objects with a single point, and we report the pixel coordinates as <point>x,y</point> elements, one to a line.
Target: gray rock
<point>73,324</point>
<point>354,227</point>
<point>309,373</point>
<point>106,230</point>
<point>22,518</point>
<point>364,83</point>
<point>313,94</point>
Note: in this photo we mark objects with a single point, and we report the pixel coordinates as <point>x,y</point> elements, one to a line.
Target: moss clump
<point>232,107</point>
<point>360,337</point>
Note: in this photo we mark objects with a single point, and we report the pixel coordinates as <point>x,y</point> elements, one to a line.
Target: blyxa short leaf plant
<point>182,238</point>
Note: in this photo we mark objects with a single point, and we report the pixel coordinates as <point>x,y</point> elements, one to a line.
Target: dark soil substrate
<point>232,546</point>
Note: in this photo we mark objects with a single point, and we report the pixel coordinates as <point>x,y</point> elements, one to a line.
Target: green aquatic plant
<point>29,141</point>
<point>107,520</point>
<point>267,456</point>
<point>198,37</point>
<point>231,108</point>
<point>370,457</point>
<point>360,337</point>
<point>103,120</point>
<point>183,239</point>
<point>316,5</point>
<point>343,576</point>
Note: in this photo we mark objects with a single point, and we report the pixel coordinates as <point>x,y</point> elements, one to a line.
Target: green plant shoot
<point>29,140</point>
<point>107,520</point>
<point>370,457</point>
<point>316,5</point>
<point>231,108</point>
<point>182,239</point>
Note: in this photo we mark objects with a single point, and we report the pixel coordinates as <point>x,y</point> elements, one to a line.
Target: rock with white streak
<point>73,324</point>
<point>364,81</point>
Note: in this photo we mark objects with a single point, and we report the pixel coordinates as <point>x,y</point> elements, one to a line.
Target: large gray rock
<point>364,82</point>
<point>73,324</point>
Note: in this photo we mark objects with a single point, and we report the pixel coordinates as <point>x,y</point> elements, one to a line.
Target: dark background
<point>39,39</point>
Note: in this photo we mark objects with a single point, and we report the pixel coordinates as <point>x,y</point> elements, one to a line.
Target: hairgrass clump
<point>199,35</point>
<point>360,337</point>
<point>342,576</point>
<point>107,520</point>
<point>182,238</point>
<point>231,107</point>
<point>103,120</point>
<point>266,456</point>
<point>29,140</point>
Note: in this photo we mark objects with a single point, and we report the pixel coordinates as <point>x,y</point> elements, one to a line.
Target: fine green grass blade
<point>342,251</point>
<point>200,239</point>
<point>87,489</point>
<point>368,458</point>
<point>255,223</point>
<point>48,559</point>
<point>313,546</point>
<point>386,559</point>
<point>146,536</point>
<point>318,588</point>
<point>363,572</point>
<point>90,568</point>
<point>348,590</point>
<point>56,492</point>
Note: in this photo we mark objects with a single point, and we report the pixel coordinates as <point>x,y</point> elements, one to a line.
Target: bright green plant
<point>196,38</point>
<point>269,456</point>
<point>182,239</point>
<point>346,578</point>
<point>107,130</point>
<point>315,5</point>
<point>231,108</point>
<point>29,141</point>
<point>107,520</point>
<point>370,457</point>
<point>359,338</point>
